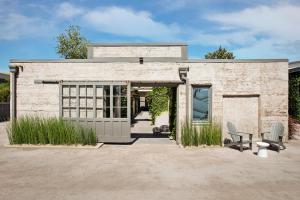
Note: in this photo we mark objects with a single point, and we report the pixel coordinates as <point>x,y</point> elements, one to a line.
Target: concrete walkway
<point>142,130</point>
<point>148,171</point>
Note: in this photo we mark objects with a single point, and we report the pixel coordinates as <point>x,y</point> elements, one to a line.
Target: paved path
<point>142,129</point>
<point>148,171</point>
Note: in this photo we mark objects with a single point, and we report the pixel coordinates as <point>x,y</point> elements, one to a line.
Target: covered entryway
<point>146,129</point>
<point>242,112</point>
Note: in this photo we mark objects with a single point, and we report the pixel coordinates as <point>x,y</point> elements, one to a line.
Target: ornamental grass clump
<point>204,134</point>
<point>55,131</point>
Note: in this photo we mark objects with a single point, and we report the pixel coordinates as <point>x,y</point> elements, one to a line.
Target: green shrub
<point>158,101</point>
<point>4,92</point>
<point>294,96</point>
<point>203,134</point>
<point>36,130</point>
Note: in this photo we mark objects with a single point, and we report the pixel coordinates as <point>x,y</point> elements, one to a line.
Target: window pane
<point>99,103</point>
<point>73,113</point>
<point>99,113</point>
<point>117,90</point>
<point>106,113</point>
<point>117,112</point>
<point>89,91</point>
<point>73,102</point>
<point>65,90</point>
<point>106,102</point>
<point>124,90</point>
<point>90,113</point>
<point>123,112</point>
<point>90,102</point>
<point>82,113</point>
<point>73,90</point>
<point>124,101</point>
<point>66,113</point>
<point>99,91</point>
<point>82,102</point>
<point>106,90</point>
<point>66,102</point>
<point>82,90</point>
<point>200,103</point>
<point>117,101</point>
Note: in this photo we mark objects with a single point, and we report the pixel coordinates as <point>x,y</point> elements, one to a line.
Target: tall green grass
<point>37,130</point>
<point>203,134</point>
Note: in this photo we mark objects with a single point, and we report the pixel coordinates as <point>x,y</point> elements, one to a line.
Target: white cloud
<point>127,22</point>
<point>68,10</point>
<point>223,39</point>
<point>16,25</point>
<point>276,21</point>
<point>272,31</point>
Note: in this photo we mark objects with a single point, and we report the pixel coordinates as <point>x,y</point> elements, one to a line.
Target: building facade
<point>96,91</point>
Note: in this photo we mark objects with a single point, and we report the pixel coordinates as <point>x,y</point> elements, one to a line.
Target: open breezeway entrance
<point>146,126</point>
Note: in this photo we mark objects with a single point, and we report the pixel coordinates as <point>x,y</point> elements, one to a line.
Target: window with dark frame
<point>94,101</point>
<point>201,103</point>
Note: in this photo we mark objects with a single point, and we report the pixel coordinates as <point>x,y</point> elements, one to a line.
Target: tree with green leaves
<point>71,44</point>
<point>221,53</point>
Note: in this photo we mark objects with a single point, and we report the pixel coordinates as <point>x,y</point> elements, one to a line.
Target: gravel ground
<point>147,171</point>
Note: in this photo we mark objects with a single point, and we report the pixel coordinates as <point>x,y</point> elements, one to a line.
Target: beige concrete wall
<point>242,112</point>
<point>135,51</point>
<point>268,80</point>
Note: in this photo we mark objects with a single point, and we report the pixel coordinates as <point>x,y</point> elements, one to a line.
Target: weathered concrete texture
<point>148,172</point>
<point>267,80</point>
<point>136,51</point>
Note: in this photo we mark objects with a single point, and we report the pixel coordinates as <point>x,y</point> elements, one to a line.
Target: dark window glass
<point>123,112</point>
<point>117,90</point>
<point>106,113</point>
<point>201,102</point>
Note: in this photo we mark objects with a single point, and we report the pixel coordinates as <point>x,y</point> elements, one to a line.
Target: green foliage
<point>71,45</point>
<point>158,100</point>
<point>204,134</point>
<point>294,96</point>
<point>4,92</point>
<point>221,53</point>
<point>172,112</point>
<point>36,130</point>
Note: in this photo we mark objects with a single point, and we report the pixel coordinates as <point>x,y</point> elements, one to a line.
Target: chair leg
<point>241,147</point>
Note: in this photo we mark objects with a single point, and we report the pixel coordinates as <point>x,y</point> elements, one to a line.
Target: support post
<point>13,74</point>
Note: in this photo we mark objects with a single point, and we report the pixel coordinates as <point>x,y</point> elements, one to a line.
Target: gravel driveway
<point>147,171</point>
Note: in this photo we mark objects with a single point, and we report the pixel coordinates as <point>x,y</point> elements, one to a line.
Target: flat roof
<point>294,62</point>
<point>136,60</point>
<point>137,44</point>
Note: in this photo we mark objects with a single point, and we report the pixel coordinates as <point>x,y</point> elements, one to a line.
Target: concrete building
<point>96,91</point>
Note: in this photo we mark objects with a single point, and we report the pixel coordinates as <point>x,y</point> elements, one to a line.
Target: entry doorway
<point>144,129</point>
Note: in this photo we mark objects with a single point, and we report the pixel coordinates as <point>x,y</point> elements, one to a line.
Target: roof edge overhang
<point>136,44</point>
<point>145,59</point>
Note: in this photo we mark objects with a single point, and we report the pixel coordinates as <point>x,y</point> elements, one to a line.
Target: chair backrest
<point>232,131</point>
<point>277,130</point>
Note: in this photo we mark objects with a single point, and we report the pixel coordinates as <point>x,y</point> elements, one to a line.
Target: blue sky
<point>251,29</point>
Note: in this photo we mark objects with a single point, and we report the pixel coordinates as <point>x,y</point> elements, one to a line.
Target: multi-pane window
<point>69,101</point>
<point>120,101</point>
<point>94,101</point>
<point>201,103</point>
